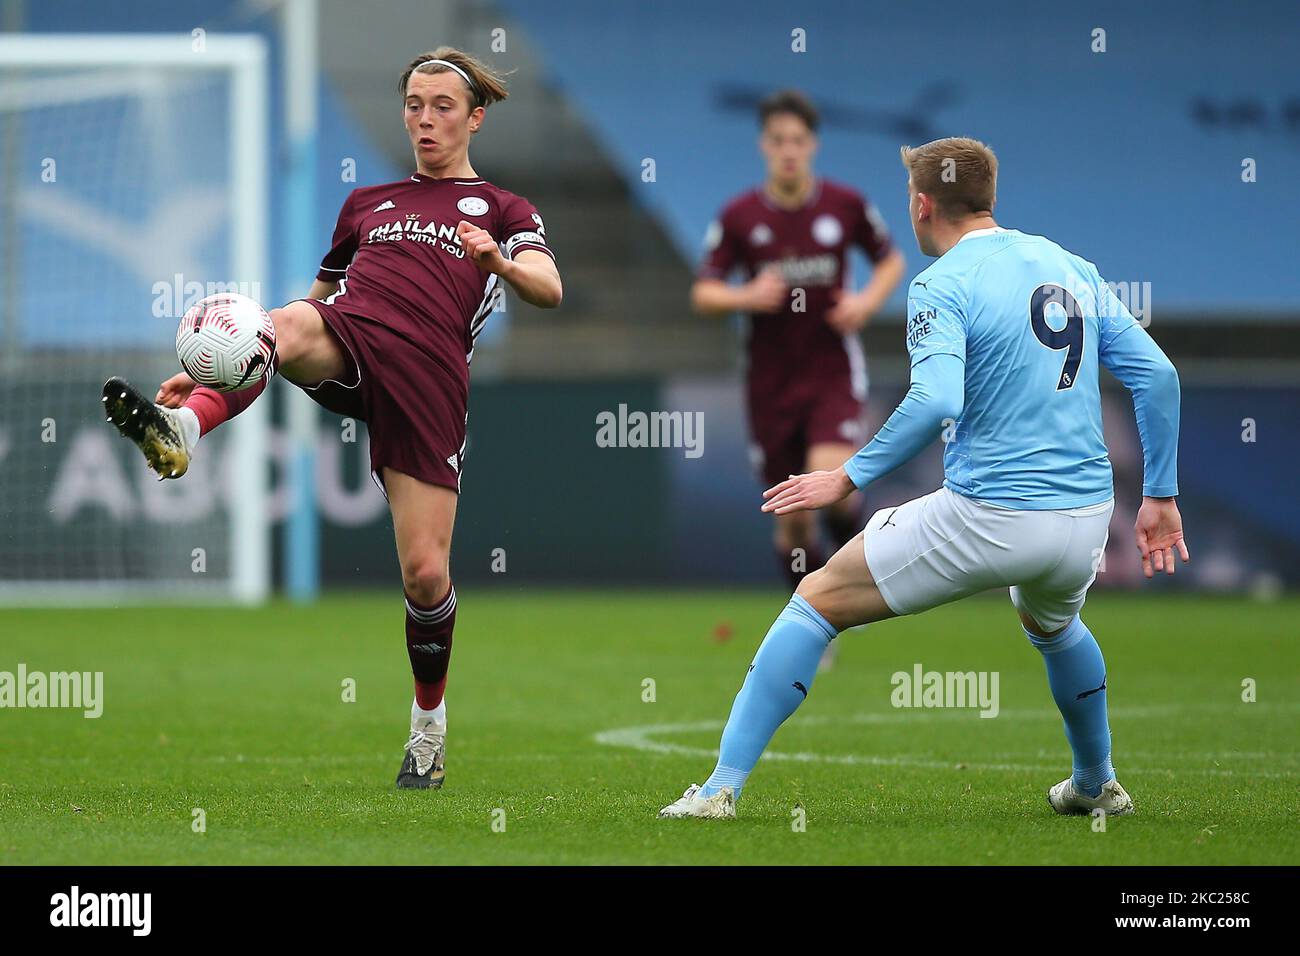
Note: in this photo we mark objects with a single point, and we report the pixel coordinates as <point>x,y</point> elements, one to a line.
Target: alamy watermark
<point>130,910</point>
<point>78,690</point>
<point>1134,296</point>
<point>172,298</point>
<point>635,429</point>
<point>956,689</point>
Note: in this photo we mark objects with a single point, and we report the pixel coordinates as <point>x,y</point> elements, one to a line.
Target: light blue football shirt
<point>1032,323</point>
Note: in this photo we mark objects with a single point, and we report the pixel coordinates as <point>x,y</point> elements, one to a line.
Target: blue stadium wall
<point>1131,157</point>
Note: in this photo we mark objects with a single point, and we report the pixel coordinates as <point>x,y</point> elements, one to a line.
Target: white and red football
<point>226,341</point>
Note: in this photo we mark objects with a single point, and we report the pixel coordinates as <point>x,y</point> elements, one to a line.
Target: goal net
<point>133,181</point>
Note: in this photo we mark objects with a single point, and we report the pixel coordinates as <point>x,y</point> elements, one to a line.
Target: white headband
<point>463,74</point>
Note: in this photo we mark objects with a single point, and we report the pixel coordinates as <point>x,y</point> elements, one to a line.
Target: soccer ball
<point>226,341</point>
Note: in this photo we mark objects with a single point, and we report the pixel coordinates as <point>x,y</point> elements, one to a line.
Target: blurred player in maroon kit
<point>386,335</point>
<point>807,380</point>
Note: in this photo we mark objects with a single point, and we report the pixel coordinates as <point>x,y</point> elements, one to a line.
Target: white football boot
<point>720,806</point>
<point>1113,799</point>
<point>422,764</point>
<point>156,430</point>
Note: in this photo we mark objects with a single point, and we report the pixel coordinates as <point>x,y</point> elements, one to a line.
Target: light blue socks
<point>777,683</point>
<point>1076,673</point>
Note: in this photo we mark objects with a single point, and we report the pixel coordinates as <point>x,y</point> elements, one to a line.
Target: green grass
<point>240,713</point>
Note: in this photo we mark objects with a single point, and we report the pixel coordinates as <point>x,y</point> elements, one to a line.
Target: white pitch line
<point>641,738</point>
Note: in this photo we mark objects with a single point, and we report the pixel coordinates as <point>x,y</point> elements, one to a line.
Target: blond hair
<point>487,86</point>
<point>959,174</point>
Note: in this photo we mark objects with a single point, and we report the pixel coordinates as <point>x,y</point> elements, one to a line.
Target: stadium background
<point>1132,157</point>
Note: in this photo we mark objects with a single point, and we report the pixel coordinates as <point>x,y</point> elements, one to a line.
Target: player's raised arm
<point>527,265</point>
<point>1136,360</point>
<point>534,276</point>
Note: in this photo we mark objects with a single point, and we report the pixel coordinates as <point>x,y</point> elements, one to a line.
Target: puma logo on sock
<point>1095,690</point>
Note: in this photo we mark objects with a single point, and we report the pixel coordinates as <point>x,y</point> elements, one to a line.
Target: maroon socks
<point>428,644</point>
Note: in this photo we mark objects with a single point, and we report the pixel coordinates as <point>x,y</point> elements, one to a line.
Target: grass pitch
<point>554,755</point>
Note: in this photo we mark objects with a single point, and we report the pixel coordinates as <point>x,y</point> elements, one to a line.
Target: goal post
<point>133,181</point>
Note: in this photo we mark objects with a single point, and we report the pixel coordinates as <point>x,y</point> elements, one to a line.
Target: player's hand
<point>481,247</point>
<point>848,313</point>
<point>1159,533</point>
<point>173,392</point>
<point>808,492</point>
<point>766,292</point>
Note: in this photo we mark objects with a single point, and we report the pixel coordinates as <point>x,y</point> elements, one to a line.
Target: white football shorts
<point>944,547</point>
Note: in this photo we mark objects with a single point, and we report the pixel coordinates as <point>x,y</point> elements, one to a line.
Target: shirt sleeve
<point>936,320</point>
<point>344,246</point>
<point>933,401</point>
<point>522,228</point>
<point>1132,356</point>
<point>936,342</point>
<point>720,251</point>
<point>870,232</point>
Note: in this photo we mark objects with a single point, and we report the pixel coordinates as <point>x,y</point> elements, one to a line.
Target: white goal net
<point>133,181</point>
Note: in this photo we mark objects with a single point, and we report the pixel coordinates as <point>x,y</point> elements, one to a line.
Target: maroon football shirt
<point>399,263</point>
<point>789,351</point>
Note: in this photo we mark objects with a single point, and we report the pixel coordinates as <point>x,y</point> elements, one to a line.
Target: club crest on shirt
<point>760,235</point>
<point>826,229</point>
<point>472,206</point>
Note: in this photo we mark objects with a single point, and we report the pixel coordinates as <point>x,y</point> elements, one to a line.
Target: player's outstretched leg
<point>1076,672</point>
<point>167,429</point>
<point>777,683</point>
<point>837,596</point>
<point>166,436</point>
